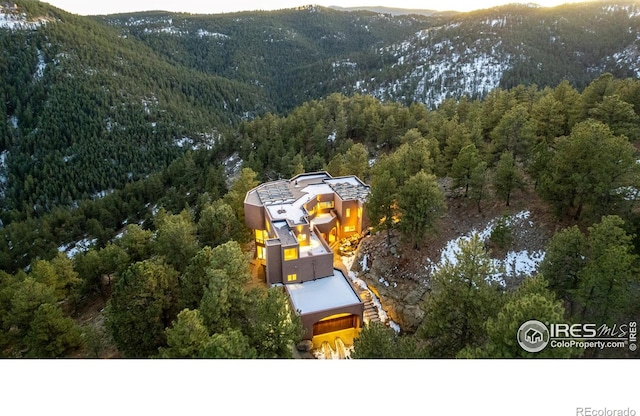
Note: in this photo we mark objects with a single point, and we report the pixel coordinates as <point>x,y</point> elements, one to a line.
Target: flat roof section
<point>284,233</point>
<point>287,212</point>
<point>322,294</point>
<point>322,219</point>
<point>314,247</point>
<point>318,189</point>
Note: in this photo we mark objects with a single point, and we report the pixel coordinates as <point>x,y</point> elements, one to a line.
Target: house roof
<point>275,193</point>
<point>293,193</point>
<point>284,233</point>
<point>349,187</point>
<point>322,294</point>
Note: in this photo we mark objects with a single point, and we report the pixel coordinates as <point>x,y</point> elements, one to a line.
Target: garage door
<point>336,324</point>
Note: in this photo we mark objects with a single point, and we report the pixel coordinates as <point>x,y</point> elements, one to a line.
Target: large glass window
<point>260,236</point>
<point>290,253</point>
<point>325,205</point>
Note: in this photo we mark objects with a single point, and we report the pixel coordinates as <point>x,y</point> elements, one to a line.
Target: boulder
<point>305,346</point>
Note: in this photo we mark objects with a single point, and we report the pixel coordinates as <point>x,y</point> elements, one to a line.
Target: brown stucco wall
<point>254,216</point>
<point>303,267</point>
<point>274,262</point>
<point>341,208</point>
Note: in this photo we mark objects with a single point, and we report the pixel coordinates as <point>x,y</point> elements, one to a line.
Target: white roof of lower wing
<point>322,294</point>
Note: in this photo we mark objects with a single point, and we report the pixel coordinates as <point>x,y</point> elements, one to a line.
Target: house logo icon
<point>533,336</point>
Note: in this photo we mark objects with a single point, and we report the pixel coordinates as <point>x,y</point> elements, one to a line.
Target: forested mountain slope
<point>92,103</point>
<point>302,54</point>
<point>472,53</point>
<point>85,111</point>
<point>294,54</point>
<point>574,154</point>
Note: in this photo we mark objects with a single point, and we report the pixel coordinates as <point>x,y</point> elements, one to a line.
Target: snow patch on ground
<point>515,263</point>
<point>72,249</point>
<point>363,263</point>
<point>207,142</point>
<point>629,193</point>
<point>204,33</point>
<point>438,68</point>
<point>102,194</point>
<point>346,63</point>
<point>19,21</point>
<point>148,103</point>
<point>42,65</point>
<point>120,234</point>
<point>183,142</point>
<point>3,171</point>
<point>348,261</point>
<point>170,30</point>
<point>3,159</point>
<point>232,167</point>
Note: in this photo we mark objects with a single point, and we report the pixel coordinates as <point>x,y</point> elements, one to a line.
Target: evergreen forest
<point>130,141</point>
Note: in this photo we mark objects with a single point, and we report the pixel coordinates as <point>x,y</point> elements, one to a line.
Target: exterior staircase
<point>370,312</point>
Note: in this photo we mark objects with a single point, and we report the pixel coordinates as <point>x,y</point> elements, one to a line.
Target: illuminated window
<point>302,237</point>
<point>292,277</point>
<point>349,228</point>
<point>359,212</point>
<point>325,205</point>
<point>348,212</point>
<point>268,226</point>
<point>260,252</point>
<point>290,254</point>
<point>260,236</point>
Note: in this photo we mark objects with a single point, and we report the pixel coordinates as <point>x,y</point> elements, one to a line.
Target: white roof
<point>322,294</point>
<point>293,209</point>
<point>318,189</point>
<point>314,247</point>
<point>286,211</point>
<point>322,218</point>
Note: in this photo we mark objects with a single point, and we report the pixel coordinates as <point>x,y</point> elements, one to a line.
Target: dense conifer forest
<point>128,149</point>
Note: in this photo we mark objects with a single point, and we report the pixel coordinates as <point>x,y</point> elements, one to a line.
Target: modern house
<point>295,223</point>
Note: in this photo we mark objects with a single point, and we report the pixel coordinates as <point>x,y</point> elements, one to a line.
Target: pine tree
<point>420,202</point>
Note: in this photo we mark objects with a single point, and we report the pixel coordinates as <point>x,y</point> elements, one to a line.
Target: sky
<point>94,7</point>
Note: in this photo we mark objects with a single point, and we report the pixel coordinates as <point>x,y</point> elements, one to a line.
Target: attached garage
<point>326,305</point>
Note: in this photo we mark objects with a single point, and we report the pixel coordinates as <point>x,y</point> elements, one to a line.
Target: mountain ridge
<point>395,11</point>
